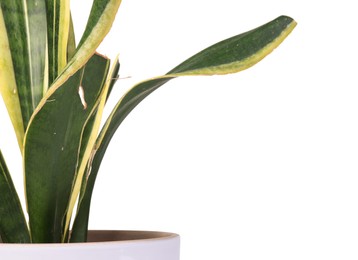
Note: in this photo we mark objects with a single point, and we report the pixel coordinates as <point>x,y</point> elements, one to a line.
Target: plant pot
<point>119,245</point>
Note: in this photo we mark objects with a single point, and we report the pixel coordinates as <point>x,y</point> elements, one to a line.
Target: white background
<point>257,165</point>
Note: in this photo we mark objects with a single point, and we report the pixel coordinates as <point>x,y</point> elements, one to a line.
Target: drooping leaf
<point>228,56</point>
<point>25,29</point>
<point>52,147</point>
<point>239,52</point>
<point>13,227</point>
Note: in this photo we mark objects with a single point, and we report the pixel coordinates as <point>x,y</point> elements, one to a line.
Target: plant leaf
<point>102,15</point>
<point>229,56</point>
<point>25,26</point>
<point>99,23</point>
<point>100,20</point>
<point>52,146</point>
<point>13,227</point>
<point>239,52</point>
<point>58,21</point>
<point>89,137</point>
<point>8,87</point>
<point>80,225</point>
<point>71,46</point>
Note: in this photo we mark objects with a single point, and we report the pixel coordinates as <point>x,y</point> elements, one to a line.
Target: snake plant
<point>55,91</point>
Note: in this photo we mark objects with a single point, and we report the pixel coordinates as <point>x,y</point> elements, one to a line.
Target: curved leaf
<point>8,87</point>
<point>229,56</point>
<point>79,228</point>
<point>89,137</point>
<point>47,222</point>
<point>26,27</point>
<point>102,15</point>
<point>13,227</point>
<point>239,52</point>
<point>52,147</point>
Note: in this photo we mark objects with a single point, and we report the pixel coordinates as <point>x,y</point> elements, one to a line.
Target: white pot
<point>108,245</point>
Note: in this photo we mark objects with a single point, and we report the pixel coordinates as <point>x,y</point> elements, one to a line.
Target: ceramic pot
<point>109,245</point>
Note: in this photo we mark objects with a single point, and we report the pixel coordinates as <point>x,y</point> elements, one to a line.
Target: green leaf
<point>71,46</point>
<point>25,26</point>
<point>89,137</point>
<point>8,87</point>
<point>46,223</point>
<point>239,52</point>
<point>229,56</point>
<point>80,225</point>
<point>58,22</point>
<point>102,15</point>
<point>13,227</point>
<point>52,146</point>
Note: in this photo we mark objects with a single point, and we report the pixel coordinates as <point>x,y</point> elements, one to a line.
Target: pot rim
<point>107,237</point>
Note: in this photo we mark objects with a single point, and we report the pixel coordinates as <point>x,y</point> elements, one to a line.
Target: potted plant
<point>55,92</point>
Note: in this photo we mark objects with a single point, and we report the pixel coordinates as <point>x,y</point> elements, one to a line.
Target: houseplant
<point>55,92</point>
